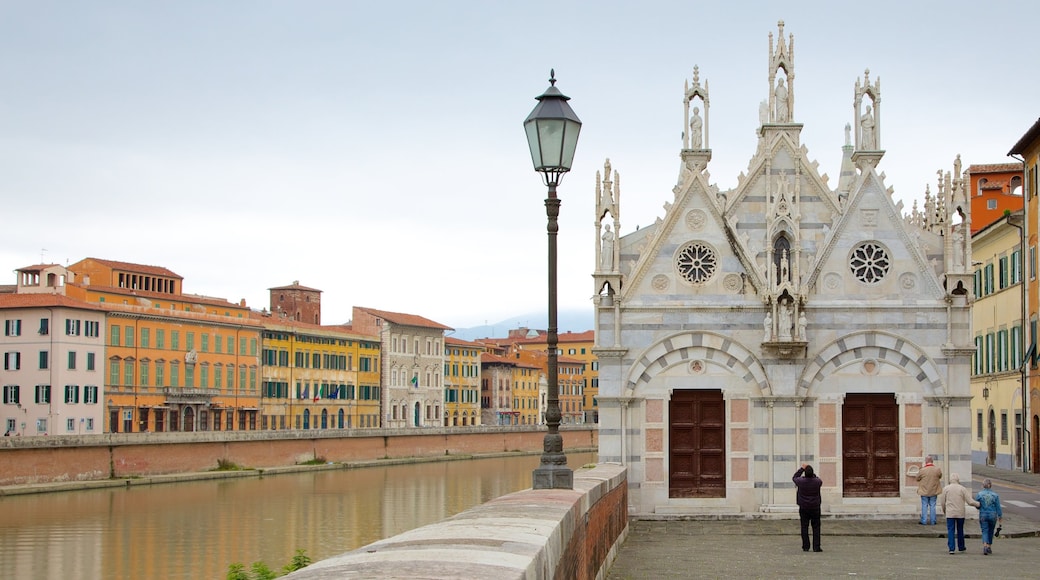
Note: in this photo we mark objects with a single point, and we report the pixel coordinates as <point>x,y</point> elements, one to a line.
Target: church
<point>784,321</point>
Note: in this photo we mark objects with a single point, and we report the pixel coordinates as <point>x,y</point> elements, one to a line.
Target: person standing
<point>954,499</point>
<point>808,497</point>
<point>929,484</point>
<point>989,514</point>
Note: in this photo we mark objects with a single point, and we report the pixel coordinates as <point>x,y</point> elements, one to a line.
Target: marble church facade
<point>784,321</point>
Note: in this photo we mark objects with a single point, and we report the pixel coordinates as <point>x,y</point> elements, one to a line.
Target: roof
<point>404,319</point>
<point>38,267</point>
<point>44,301</point>
<point>1031,135</point>
<point>139,268</point>
<point>137,292</point>
<point>459,342</point>
<point>295,286</point>
<point>278,323</point>
<point>994,168</point>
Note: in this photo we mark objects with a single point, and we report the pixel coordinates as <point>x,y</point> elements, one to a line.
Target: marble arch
<point>881,346</point>
<point>689,346</point>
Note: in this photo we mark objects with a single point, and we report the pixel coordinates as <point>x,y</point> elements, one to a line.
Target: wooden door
<point>697,444</point>
<point>870,445</point>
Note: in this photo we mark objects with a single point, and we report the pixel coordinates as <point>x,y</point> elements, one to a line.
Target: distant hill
<point>568,321</point>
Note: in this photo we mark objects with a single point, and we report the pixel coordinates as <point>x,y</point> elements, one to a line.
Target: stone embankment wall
<point>50,459</point>
<point>532,534</point>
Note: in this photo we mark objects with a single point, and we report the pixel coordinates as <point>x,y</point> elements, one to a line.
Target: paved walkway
<point>860,548</point>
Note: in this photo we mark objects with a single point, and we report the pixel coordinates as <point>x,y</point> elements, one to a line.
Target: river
<point>196,529</point>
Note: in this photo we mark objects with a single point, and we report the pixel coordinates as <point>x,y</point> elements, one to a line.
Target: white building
<point>783,322</point>
<point>52,375</point>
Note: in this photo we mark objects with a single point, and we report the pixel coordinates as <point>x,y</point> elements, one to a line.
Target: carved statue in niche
<point>781,101</point>
<point>784,312</point>
<point>866,125</point>
<point>785,267</point>
<point>696,129</point>
<point>606,256</point>
<point>768,328</point>
<point>802,324</point>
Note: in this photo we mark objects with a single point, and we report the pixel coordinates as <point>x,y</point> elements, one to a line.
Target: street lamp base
<point>553,477</point>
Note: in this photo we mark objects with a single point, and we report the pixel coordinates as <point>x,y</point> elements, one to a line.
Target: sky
<point>375,150</point>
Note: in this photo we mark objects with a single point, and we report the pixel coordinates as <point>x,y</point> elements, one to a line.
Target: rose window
<point>870,262</point>
<point>696,262</point>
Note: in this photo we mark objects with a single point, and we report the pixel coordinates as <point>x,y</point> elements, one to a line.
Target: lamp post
<point>552,135</point>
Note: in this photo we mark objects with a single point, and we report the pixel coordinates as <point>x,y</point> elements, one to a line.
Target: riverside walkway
<point>852,547</point>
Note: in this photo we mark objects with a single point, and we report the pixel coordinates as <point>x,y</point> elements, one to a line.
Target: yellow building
<point>318,377</point>
<point>996,366</point>
<point>577,347</point>
<point>173,361</point>
<point>461,382</point>
<point>1027,150</point>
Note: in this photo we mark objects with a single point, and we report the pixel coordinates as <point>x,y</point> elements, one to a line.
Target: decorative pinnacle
<point>552,77</point>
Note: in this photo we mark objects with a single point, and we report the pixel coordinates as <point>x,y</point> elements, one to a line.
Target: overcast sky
<point>375,150</point>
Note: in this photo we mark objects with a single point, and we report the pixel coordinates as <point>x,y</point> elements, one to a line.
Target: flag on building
<point>415,381</point>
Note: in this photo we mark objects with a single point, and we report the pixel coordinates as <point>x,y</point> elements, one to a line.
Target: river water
<point>196,529</point>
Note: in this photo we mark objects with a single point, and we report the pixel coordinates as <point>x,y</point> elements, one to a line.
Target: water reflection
<point>195,529</point>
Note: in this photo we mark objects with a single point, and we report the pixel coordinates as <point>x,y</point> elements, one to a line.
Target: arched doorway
<point>189,419</point>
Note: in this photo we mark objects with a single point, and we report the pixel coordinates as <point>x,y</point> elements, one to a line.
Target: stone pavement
<point>852,547</point>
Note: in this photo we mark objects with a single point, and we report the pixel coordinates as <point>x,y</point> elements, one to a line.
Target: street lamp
<point>552,135</point>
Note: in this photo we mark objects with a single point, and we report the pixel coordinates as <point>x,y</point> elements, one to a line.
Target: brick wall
<point>30,460</point>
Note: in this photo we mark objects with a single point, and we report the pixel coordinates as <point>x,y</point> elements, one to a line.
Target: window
<point>128,340</point>
<point>44,359</point>
<point>12,395</point>
<point>1016,346</point>
<point>13,327</point>
<point>175,339</point>
<point>1032,262</point>
<point>242,346</point>
<point>72,327</point>
<point>160,338</point>
<point>218,376</point>
<point>90,394</point>
<point>205,342</point>
<point>113,373</point>
<point>987,280</point>
<point>160,370</point>
<point>90,424</point>
<point>45,326</point>
<point>189,341</point>
<point>217,343</point>
<point>990,352</point>
<point>991,204</point>
<point>41,426</point>
<point>92,328</point>
<point>113,335</point>
<point>12,361</point>
<point>175,376</point>
<point>71,394</point>
<point>145,337</point>
<point>1003,427</point>
<point>978,283</point>
<point>72,360</point>
<point>204,377</point>
<point>144,373</point>
<point>189,376</point>
<point>1002,350</point>
<point>128,373</point>
<point>1002,271</point>
<point>1016,267</point>
<point>70,424</point>
<point>43,394</point>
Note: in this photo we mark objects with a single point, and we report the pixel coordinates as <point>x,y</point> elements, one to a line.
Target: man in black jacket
<point>809,505</point>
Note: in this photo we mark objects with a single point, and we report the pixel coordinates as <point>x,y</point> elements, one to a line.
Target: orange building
<point>995,188</point>
<point>1027,150</point>
<point>173,361</point>
<point>576,347</point>
<point>461,382</point>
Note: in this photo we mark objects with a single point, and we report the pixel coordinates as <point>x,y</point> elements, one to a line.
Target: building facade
<point>412,366</point>
<point>1027,150</point>
<point>461,382</point>
<point>784,321</point>
<point>318,377</point>
<point>53,371</point>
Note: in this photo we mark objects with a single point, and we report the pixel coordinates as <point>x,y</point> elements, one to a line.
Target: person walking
<point>954,499</point>
<point>808,497</point>
<point>989,514</point>
<point>929,484</point>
